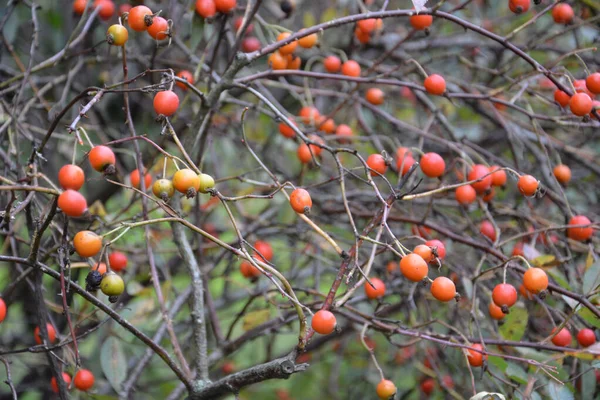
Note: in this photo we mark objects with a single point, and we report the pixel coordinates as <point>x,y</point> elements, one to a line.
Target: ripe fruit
<point>580,104</point>
<point>140,18</point>
<point>438,247</point>
<point>562,338</point>
<point>519,6</point>
<point>207,183</point>
<point>304,154</point>
<point>70,176</point>
<point>580,234</point>
<point>293,61</point>
<point>405,163</point>
<point>2,310</point>
<point>421,22</point>
<point>385,389</point>
<point>79,6</point>
<point>206,8</point>
<point>351,68</point>
<point>264,250</point>
<point>427,386</point>
<point>561,98</point>
<point>323,322</point>
<point>363,37</point>
<point>327,125</point>
<point>100,268</point>
<point>535,280</point>
<point>562,13</point>
<point>562,173</point>
<point>504,296</point>
<point>102,159</point>
<point>592,82</point>
<point>159,29</point>
<point>225,6</point>
<point>286,130</point>
<point>84,380</point>
<point>527,185</point>
<point>54,384</point>
<point>87,243</point>
<point>465,194</point>
<point>309,115</point>
<point>332,64</point>
<point>443,289</point>
<point>166,103</point>
<point>413,267</point>
<point>308,41</point>
<point>134,177</point>
<point>277,61</point>
<point>432,165</point>
<point>288,48</point>
<point>72,203</point>
<point>250,44</point>
<point>495,312</point>
<point>478,171</point>
<point>163,189</point>
<point>343,130</point>
<point>487,229</point>
<point>367,25</point>
<point>377,163</point>
<point>107,9</point>
<point>187,182</point>
<point>375,96</point>
<point>498,177</point>
<point>117,35</point>
<point>117,260</point>
<point>248,270</point>
<point>300,201</point>
<point>586,337</point>
<point>435,84</point>
<point>475,358</point>
<point>51,334</point>
<point>425,252</point>
<point>112,284</point>
<point>377,289</point>
<point>186,75</point>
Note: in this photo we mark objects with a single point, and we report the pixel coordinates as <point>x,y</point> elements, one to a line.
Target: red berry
<point>84,380</point>
<point>54,384</point>
<point>107,8</point>
<point>117,260</point>
<point>332,64</point>
<point>377,163</point>
<point>487,229</point>
<point>264,249</point>
<point>581,104</point>
<point>187,76</point>
<point>435,84</point>
<point>351,68</point>
<point>375,289</point>
<point>476,358</point>
<point>465,194</point>
<point>478,171</point>
<point>527,185</point>
<point>51,334</point>
<point>71,176</point>
<point>323,322</point>
<point>250,44</point>
<point>375,96</point>
<point>300,201</point>
<point>504,295</point>
<point>432,165</point>
<point>438,246</point>
<point>499,176</point>
<point>159,29</point>
<point>535,280</point>
<point>2,310</point>
<point>562,13</point>
<point>586,337</point>
<point>592,82</point>
<point>580,234</point>
<point>166,103</point>
<point>101,158</point>
<point>72,203</point>
<point>562,338</point>
<point>519,6</point>
<point>206,8</point>
<point>134,177</point>
<point>427,386</point>
<point>561,98</point>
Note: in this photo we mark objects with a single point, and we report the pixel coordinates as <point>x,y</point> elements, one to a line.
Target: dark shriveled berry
<point>93,280</point>
<point>113,299</point>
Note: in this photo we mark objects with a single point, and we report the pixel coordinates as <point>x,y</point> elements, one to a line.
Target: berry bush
<point>294,199</point>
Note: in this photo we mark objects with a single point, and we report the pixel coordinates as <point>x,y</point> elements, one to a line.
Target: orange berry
<point>375,289</point>
<point>475,358</point>
<point>308,41</point>
<point>134,177</point>
<point>487,229</point>
<point>385,389</point>
<point>498,176</point>
<point>72,203</point>
<point>288,48</point>
<point>343,130</point>
<point>159,29</point>
<point>225,6</point>
<point>323,322</point>
<point>527,185</point>
<point>425,252</point>
<point>101,158</point>
<point>413,267</point>
<point>443,289</point>
<point>51,334</point>
<point>140,18</point>
<point>580,234</point>
<point>561,98</point>
<point>327,126</point>
<point>519,6</point>
<point>79,6</point>
<point>592,82</point>
<point>351,68</point>
<point>187,76</point>
<point>87,243</point>
<point>432,165</point>
<point>71,176</point>
<point>332,64</point>
<point>54,384</point>
<point>478,171</point>
<point>362,37</point>
<point>166,103</point>
<point>375,96</point>
<point>421,22</point>
<point>504,295</point>
<point>248,270</point>
<point>206,8</point>
<point>376,162</point>
<point>562,13</point>
<point>264,250</point>
<point>186,181</point>
<point>495,312</point>
<point>435,84</point>
<point>535,280</point>
<point>581,104</point>
<point>107,9</point>
<point>83,380</point>
<point>300,201</point>
<point>309,115</point>
<point>293,62</point>
<point>286,130</point>
<point>367,25</point>
<point>465,195</point>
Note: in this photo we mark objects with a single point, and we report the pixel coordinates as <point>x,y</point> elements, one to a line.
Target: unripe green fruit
<point>206,182</point>
<point>112,284</point>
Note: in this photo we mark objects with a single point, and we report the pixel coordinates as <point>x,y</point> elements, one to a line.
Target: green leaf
<point>327,15</point>
<point>590,317</point>
<point>516,373</point>
<point>588,382</point>
<point>571,302</point>
<point>559,392</point>
<point>113,362</point>
<point>514,324</point>
<point>591,277</point>
<point>309,19</point>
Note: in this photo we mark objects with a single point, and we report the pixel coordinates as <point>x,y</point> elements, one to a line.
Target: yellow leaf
<point>589,260</point>
<point>255,318</point>
<point>97,208</point>
<point>309,19</point>
<point>546,260</point>
<point>327,15</point>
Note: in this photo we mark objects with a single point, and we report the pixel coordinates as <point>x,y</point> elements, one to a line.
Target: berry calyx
<point>504,296</point>
<point>586,337</point>
<point>375,289</point>
<point>51,334</point>
<point>117,35</point>
<point>166,103</point>
<point>580,234</point>
<point>72,203</point>
<point>385,389</point>
<point>71,176</point>
<point>84,380</point>
<point>300,201</point>
<point>139,18</point>
<point>187,182</point>
<point>535,280</point>
<point>527,185</point>
<point>376,162</point>
<point>102,159</point>
<point>112,284</point>
<point>443,289</point>
<point>87,243</point>
<point>432,165</point>
<point>476,358</point>
<point>413,267</point>
<point>563,338</point>
<point>435,84</point>
<point>323,322</point>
